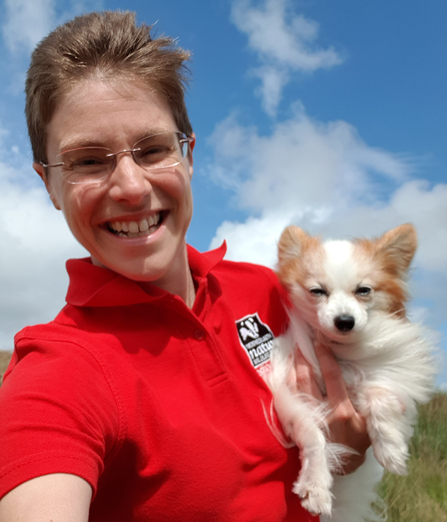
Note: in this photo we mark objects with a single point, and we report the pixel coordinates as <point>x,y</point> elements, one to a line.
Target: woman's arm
<point>57,497</point>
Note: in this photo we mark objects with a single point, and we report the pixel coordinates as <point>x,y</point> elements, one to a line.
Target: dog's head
<point>336,284</point>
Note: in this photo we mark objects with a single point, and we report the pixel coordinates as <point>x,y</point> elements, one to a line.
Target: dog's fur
<point>350,296</point>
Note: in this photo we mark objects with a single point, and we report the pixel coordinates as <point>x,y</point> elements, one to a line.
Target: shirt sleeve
<point>278,303</point>
<point>58,414</point>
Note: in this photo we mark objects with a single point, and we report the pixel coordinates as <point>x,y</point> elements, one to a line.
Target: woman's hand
<point>346,425</point>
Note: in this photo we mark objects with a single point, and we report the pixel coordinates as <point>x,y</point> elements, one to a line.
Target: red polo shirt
<point>158,407</point>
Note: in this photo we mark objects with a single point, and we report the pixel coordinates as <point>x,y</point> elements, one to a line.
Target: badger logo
<point>256,337</point>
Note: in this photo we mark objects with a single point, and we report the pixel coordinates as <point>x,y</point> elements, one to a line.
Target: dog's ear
<point>290,244</point>
<point>293,246</point>
<point>396,249</point>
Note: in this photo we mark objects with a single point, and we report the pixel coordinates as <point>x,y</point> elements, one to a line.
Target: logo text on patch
<point>256,337</point>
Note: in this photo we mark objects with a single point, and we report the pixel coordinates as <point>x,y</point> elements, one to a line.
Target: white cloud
<point>27,22</point>
<point>35,245</point>
<point>283,42</point>
<point>303,163</point>
<point>273,80</point>
<point>253,241</point>
<point>277,34</point>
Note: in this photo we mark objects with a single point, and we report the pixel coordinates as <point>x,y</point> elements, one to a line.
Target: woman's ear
<point>41,171</point>
<point>192,144</point>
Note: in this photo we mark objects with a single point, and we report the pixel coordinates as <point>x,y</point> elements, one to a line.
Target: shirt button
<point>199,335</point>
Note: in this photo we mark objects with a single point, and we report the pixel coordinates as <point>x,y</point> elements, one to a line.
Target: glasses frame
<point>183,138</point>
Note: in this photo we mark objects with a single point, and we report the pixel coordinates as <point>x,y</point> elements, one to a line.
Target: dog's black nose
<point>344,323</point>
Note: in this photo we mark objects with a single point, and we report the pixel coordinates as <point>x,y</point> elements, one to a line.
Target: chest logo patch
<point>256,337</point>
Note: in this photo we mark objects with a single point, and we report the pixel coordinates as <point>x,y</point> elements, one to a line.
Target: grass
<point>420,496</point>
<point>4,361</point>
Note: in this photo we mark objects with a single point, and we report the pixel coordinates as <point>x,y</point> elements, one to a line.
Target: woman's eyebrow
<point>153,132</point>
<point>80,142</point>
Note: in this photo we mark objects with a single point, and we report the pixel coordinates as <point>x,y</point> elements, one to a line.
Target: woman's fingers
<point>346,425</point>
<point>335,385</point>
<point>304,378</point>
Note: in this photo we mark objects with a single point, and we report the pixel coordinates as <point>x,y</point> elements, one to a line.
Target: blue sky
<point>327,114</point>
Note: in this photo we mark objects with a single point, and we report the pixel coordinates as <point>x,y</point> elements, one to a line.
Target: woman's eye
<point>363,291</point>
<point>153,150</point>
<point>87,162</point>
<point>153,154</point>
<point>318,292</point>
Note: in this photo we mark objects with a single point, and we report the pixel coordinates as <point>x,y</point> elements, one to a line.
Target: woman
<point>139,402</point>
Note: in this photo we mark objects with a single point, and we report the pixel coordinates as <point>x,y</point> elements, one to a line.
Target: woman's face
<point>116,115</point>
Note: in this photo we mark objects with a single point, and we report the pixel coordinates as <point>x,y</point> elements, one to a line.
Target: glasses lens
<point>161,150</point>
<point>86,164</point>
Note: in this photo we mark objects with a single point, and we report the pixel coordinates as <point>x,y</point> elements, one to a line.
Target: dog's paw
<point>392,459</point>
<point>395,466</point>
<point>317,500</point>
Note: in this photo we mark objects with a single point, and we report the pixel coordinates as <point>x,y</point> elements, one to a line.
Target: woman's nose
<point>128,181</point>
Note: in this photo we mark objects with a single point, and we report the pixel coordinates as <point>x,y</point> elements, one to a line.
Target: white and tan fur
<point>351,296</point>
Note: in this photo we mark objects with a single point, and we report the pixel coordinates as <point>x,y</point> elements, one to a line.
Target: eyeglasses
<point>93,164</point>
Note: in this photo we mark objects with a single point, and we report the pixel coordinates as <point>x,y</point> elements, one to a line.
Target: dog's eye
<point>363,291</point>
<point>318,292</point>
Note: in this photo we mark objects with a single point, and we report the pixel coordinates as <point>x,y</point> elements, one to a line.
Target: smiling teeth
<point>133,229</point>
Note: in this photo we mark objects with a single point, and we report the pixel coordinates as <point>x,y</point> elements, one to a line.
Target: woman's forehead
<point>96,111</point>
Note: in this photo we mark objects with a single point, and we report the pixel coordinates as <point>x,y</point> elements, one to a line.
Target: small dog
<point>350,296</point>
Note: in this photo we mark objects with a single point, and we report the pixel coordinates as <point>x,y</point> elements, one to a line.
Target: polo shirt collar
<point>91,285</point>
<point>202,264</point>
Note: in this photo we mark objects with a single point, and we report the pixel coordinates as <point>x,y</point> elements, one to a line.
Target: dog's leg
<point>302,421</point>
<point>315,480</point>
<point>389,427</point>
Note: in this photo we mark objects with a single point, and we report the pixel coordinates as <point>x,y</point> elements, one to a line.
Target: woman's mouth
<point>133,229</point>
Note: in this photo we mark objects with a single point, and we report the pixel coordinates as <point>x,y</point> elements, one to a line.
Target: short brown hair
<point>108,45</point>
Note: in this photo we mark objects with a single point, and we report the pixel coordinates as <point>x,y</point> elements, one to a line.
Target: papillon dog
<point>350,296</point>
